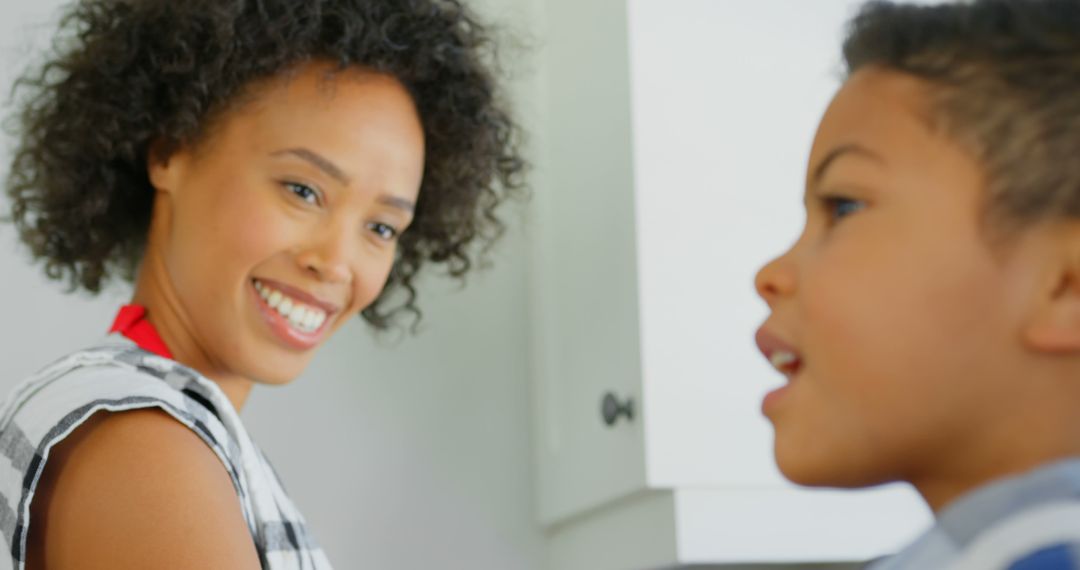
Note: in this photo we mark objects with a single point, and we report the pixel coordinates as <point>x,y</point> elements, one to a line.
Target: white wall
<point>407,456</point>
<point>40,323</point>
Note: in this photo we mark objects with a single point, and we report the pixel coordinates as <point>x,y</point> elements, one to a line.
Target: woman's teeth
<point>784,361</point>
<point>304,318</point>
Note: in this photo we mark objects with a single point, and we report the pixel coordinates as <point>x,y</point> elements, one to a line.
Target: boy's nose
<point>775,280</point>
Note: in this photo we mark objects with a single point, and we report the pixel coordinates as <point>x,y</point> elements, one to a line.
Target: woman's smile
<point>296,318</point>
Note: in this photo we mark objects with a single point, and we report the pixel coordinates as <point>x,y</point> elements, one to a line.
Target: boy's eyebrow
<point>320,162</point>
<point>837,152</point>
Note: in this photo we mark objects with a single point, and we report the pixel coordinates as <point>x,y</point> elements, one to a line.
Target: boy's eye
<point>384,231</point>
<point>305,193</point>
<point>838,207</point>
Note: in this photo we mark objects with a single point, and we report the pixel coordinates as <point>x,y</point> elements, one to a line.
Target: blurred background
<point>669,139</point>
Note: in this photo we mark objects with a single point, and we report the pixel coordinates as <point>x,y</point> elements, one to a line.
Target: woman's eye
<point>384,231</point>
<point>838,207</point>
<point>305,193</point>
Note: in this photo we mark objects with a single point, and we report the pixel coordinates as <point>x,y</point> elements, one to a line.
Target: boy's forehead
<point>883,111</point>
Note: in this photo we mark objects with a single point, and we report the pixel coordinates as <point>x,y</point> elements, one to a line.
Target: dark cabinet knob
<point>612,409</point>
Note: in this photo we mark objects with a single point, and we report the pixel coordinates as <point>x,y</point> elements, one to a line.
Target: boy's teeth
<point>299,315</point>
<point>782,359</point>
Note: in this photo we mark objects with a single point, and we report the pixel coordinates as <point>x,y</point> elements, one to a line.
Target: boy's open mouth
<point>786,362</point>
<point>783,357</point>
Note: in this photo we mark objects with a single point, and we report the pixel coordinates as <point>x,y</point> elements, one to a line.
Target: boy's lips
<point>785,359</point>
<point>782,355</point>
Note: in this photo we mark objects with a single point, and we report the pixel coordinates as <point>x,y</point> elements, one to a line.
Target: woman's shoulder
<point>115,377</point>
<point>137,473</point>
<point>46,408</point>
<point>114,436</point>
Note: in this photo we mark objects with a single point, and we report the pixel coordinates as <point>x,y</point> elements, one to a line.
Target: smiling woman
<point>301,198</point>
<point>262,171</point>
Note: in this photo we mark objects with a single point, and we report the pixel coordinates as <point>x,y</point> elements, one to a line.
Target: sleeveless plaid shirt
<point>116,376</point>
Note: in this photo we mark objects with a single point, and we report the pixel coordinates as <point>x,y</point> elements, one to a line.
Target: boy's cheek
<point>822,441</point>
<point>841,444</point>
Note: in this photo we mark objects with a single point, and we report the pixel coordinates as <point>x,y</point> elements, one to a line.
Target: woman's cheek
<point>261,232</point>
<point>368,283</point>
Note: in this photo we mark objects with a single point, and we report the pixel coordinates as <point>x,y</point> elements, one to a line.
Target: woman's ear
<point>162,165</point>
<point>1054,326</point>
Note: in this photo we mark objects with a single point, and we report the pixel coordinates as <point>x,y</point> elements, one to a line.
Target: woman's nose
<point>327,258</point>
<point>776,279</point>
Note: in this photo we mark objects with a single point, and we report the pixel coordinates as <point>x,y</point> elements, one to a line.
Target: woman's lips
<point>280,326</point>
<point>301,295</point>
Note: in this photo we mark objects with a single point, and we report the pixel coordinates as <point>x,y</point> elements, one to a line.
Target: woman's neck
<point>166,313</point>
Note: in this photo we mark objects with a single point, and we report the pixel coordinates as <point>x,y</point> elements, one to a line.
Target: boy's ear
<point>1054,326</point>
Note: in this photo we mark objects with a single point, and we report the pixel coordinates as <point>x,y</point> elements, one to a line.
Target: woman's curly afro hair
<point>129,72</point>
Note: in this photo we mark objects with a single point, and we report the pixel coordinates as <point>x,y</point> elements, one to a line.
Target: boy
<point>928,318</point>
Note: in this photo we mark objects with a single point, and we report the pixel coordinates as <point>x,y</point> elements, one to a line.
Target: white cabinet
<point>670,168</point>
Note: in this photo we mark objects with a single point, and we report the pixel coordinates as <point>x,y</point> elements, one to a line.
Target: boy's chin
<point>802,467</point>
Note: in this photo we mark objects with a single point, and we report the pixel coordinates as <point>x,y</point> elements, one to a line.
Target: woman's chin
<point>277,368</point>
<point>271,356</point>
<point>275,377</point>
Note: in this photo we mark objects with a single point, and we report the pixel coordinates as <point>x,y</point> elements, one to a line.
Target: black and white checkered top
<point>117,375</point>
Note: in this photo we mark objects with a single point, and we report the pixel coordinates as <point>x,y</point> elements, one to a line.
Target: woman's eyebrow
<point>400,203</point>
<point>327,166</point>
<point>318,160</point>
<point>837,152</point>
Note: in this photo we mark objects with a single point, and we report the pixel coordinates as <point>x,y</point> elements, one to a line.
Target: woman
<point>263,170</point>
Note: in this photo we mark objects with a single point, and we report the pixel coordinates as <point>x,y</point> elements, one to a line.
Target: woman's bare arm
<point>137,489</point>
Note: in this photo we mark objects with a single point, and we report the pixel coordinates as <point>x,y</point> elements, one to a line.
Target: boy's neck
<point>1040,435</point>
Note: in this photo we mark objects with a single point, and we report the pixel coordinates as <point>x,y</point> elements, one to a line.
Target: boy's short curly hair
<point>126,73</point>
<point>1005,84</point>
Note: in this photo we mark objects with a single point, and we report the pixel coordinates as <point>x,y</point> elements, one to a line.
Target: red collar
<point>131,322</point>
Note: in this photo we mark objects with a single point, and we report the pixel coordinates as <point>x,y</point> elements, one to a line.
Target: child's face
<point>902,316</point>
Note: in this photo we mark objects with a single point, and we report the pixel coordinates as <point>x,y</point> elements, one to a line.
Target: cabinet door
<point>584,270</point>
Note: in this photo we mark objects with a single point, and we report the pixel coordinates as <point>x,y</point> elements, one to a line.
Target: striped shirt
<point>1028,522</point>
<point>117,375</point>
